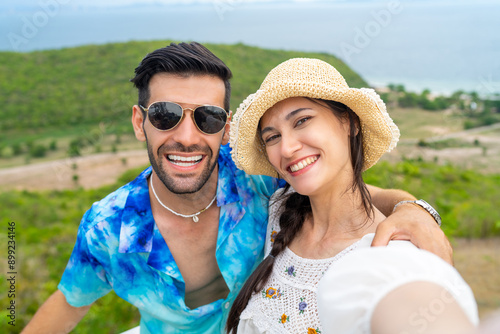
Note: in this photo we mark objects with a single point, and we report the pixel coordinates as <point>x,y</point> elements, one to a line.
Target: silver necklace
<point>194,215</point>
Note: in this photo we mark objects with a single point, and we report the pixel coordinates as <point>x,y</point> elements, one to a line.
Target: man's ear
<point>137,123</point>
<point>225,137</point>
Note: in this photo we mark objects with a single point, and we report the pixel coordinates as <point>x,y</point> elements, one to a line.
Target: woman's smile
<point>296,167</point>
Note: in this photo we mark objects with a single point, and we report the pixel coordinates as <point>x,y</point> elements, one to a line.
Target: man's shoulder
<point>229,173</point>
<point>111,207</point>
<point>229,166</point>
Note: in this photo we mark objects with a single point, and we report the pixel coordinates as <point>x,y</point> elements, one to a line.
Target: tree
<point>408,100</point>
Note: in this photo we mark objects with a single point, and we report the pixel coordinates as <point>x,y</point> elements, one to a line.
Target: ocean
<point>441,46</point>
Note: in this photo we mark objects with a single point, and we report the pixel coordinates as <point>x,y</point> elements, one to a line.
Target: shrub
<point>37,151</point>
<point>53,145</point>
<point>17,149</point>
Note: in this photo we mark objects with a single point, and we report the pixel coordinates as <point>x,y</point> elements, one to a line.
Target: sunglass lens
<point>210,119</point>
<point>164,115</point>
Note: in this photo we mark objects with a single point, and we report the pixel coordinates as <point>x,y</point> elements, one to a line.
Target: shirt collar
<point>228,190</point>
<point>137,224</point>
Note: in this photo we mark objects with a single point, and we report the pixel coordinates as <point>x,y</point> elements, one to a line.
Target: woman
<point>308,127</point>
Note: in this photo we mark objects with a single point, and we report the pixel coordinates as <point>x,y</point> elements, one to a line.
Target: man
<point>179,241</point>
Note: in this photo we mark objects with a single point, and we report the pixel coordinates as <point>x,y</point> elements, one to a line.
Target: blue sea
<point>440,45</point>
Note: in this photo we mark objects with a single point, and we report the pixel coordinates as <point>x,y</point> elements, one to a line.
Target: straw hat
<point>313,78</point>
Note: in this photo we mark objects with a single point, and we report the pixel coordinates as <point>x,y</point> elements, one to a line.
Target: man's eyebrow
<point>287,117</point>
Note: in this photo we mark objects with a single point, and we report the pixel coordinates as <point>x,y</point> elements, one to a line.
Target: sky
<point>12,4</point>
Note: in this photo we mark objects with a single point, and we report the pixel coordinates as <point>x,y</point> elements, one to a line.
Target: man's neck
<point>187,203</point>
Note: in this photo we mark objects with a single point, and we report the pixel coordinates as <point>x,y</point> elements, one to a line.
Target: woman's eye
<point>270,139</point>
<point>302,121</point>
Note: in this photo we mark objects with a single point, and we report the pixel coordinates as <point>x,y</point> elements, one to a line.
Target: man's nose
<point>187,132</point>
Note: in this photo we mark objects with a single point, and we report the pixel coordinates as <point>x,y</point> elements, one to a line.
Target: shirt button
<point>226,305</point>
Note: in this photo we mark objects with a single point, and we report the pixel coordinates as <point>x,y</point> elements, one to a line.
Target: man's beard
<point>175,184</point>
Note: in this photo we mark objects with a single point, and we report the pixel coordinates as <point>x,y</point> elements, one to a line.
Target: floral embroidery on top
<point>271,293</point>
<point>290,271</point>
<point>313,331</point>
<point>284,318</point>
<point>302,305</point>
<point>273,235</point>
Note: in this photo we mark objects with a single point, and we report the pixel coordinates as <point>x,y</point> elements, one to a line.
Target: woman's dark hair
<point>297,208</point>
<point>183,59</point>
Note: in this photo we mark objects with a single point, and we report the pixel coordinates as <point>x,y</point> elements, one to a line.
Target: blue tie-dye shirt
<point>119,247</point>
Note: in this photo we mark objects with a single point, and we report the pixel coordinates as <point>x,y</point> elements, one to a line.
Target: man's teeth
<point>184,161</point>
<point>302,164</point>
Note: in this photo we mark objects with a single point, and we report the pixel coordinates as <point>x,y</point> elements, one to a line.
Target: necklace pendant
<point>194,215</point>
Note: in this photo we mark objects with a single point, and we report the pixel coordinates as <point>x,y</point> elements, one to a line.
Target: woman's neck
<point>338,219</point>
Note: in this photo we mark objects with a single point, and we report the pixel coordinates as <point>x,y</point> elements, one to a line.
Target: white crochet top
<point>287,304</point>
<point>355,280</point>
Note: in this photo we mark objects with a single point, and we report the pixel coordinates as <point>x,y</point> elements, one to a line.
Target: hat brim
<point>376,125</point>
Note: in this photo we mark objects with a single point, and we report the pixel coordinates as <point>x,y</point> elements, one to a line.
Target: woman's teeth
<point>302,164</point>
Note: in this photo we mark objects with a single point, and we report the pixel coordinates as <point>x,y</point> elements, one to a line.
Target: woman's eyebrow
<point>293,113</point>
<point>287,117</point>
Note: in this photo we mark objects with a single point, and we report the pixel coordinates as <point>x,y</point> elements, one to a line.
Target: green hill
<point>83,86</point>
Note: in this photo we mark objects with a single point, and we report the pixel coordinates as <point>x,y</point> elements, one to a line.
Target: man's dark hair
<point>184,59</point>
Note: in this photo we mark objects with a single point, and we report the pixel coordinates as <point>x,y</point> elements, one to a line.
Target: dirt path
<point>93,171</point>
<point>483,157</point>
<point>459,134</point>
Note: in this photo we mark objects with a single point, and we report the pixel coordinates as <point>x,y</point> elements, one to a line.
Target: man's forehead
<point>193,89</point>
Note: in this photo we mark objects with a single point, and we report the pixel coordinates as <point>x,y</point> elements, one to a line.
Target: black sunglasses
<point>167,115</point>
